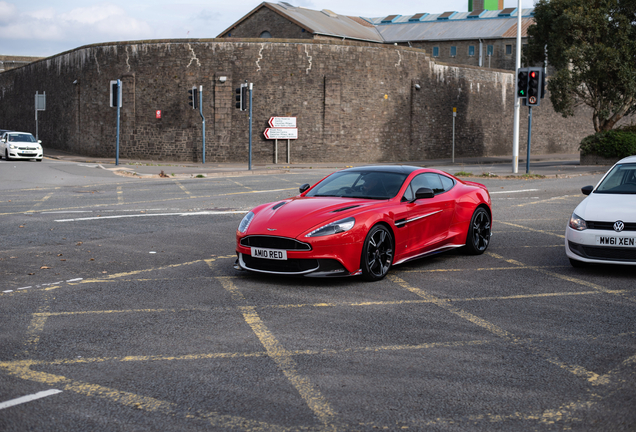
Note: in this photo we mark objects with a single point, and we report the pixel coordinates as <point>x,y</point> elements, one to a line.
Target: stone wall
<point>354,102</point>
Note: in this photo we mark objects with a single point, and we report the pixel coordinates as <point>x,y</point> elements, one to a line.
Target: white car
<point>602,228</point>
<point>20,145</point>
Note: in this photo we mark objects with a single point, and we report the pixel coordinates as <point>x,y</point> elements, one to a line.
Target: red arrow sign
<point>282,122</point>
<point>281,133</point>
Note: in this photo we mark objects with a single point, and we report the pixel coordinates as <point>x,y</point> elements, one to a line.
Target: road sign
<point>158,114</point>
<point>282,122</point>
<point>281,133</point>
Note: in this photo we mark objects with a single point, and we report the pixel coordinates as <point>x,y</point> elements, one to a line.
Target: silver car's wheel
<point>377,253</point>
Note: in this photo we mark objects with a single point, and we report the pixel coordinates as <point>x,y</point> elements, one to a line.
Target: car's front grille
<point>272,242</point>
<point>603,253</point>
<point>280,266</point>
<point>609,226</point>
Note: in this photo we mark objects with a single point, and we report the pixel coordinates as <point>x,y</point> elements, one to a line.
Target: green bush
<point>616,143</point>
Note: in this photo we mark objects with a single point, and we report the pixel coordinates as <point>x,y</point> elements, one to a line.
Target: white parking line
<point>203,213</point>
<point>514,191</point>
<point>28,398</point>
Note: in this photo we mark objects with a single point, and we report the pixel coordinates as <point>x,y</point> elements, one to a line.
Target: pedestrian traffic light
<point>522,82</point>
<point>534,86</point>
<point>193,97</point>
<point>241,97</point>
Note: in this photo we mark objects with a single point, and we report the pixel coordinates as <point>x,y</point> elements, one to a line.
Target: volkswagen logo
<point>619,226</point>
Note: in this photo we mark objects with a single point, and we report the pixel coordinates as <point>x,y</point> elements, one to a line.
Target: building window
<point>266,35</point>
<point>453,51</point>
<point>508,49</point>
<point>490,50</point>
<point>471,50</point>
<point>435,51</point>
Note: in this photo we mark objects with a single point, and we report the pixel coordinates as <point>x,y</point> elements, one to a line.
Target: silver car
<point>20,145</point>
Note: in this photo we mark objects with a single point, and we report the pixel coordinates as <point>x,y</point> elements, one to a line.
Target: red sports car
<point>361,221</point>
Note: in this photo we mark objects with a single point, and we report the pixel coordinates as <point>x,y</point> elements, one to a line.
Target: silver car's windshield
<point>620,180</point>
<point>360,184</point>
<point>21,138</point>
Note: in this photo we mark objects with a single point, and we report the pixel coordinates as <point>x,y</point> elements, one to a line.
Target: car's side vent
<point>279,205</point>
<point>345,208</point>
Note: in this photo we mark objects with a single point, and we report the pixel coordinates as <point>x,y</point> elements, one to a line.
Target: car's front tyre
<point>478,237</point>
<point>377,253</point>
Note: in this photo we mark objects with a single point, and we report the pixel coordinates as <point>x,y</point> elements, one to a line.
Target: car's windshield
<point>360,184</point>
<point>21,138</point>
<point>620,180</point>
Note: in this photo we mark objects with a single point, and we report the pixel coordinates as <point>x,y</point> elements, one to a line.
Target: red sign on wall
<point>158,114</point>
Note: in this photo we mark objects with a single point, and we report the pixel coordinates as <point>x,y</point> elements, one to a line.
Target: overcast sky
<point>46,27</point>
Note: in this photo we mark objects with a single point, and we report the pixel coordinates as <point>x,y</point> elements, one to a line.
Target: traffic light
<point>522,83</point>
<point>241,97</point>
<point>534,86</point>
<point>193,97</point>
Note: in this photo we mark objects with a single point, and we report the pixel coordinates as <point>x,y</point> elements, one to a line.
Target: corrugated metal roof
<point>328,25</point>
<point>453,30</point>
<point>402,28</point>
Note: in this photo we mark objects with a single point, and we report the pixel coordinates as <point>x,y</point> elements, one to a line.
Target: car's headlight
<point>333,228</point>
<point>246,222</point>
<point>577,223</point>
<point>13,146</point>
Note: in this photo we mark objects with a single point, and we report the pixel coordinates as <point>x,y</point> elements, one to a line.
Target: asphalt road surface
<point>120,310</point>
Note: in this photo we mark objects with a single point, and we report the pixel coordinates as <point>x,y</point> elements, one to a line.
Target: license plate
<point>273,254</point>
<point>616,241</point>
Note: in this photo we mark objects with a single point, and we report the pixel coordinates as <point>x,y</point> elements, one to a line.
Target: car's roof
<point>628,159</point>
<point>402,169</point>
<point>18,133</point>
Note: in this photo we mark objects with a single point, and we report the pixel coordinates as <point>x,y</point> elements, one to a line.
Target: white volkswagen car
<point>602,228</point>
<point>20,145</point>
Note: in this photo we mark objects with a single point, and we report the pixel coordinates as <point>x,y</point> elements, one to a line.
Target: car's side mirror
<point>39,141</point>
<point>587,190</point>
<point>423,193</point>
<point>304,187</point>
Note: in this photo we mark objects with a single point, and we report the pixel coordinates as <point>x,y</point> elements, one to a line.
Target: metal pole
<point>250,164</point>
<point>529,138</point>
<point>118,117</point>
<point>288,151</point>
<point>454,115</point>
<point>275,151</point>
<point>515,133</point>
<point>203,118</point>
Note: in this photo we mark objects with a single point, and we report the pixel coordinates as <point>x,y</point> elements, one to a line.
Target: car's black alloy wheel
<point>377,253</point>
<point>478,237</point>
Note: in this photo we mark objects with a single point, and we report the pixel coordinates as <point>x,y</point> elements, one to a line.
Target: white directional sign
<point>282,122</point>
<point>281,133</point>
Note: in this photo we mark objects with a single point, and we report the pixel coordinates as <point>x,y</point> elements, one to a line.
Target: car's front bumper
<point>582,246</point>
<point>323,260</point>
<point>25,154</point>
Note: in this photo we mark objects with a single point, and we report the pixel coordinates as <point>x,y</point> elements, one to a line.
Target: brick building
<point>480,37</point>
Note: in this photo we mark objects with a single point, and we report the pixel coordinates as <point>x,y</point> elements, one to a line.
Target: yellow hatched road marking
<point>532,229</point>
<point>446,304</point>
<point>284,360</point>
<point>146,403</point>
<point>547,200</point>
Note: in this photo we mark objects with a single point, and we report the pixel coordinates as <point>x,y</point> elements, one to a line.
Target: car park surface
<point>120,294</point>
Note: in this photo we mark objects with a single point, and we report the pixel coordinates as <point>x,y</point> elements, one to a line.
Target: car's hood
<point>608,208</point>
<point>300,214</point>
